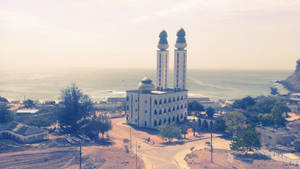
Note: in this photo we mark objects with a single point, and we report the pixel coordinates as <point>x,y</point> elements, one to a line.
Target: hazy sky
<point>221,34</point>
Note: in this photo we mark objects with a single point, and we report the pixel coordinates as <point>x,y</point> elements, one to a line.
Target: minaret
<point>162,61</point>
<point>180,61</point>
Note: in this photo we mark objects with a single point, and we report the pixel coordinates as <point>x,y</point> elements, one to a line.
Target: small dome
<point>146,84</point>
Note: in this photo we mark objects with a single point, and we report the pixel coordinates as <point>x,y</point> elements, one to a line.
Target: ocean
<point>102,83</point>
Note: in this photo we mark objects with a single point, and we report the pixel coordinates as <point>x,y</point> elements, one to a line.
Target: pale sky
<point>221,34</point>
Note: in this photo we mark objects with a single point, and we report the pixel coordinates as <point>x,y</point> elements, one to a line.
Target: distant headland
<point>292,83</point>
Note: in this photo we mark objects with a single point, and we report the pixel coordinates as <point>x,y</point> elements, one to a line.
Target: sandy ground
<point>200,159</point>
<point>156,154</point>
<point>68,157</point>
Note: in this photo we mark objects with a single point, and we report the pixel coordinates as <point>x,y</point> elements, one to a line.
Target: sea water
<point>102,83</point>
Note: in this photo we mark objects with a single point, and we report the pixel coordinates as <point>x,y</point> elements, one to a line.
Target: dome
<point>146,84</point>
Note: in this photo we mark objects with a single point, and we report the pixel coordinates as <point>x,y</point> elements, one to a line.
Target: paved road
<point>167,157</point>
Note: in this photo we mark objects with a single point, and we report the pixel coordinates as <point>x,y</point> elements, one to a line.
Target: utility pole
<point>211,145</point>
<point>130,140</point>
<point>136,156</point>
<point>80,156</point>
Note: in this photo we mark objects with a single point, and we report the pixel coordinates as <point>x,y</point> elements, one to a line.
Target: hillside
<point>292,83</point>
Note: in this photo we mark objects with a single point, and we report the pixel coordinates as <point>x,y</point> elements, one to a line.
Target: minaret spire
<point>180,61</point>
<point>162,61</point>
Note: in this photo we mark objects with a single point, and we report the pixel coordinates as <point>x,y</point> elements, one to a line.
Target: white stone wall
<point>180,69</point>
<point>162,69</point>
<point>153,110</point>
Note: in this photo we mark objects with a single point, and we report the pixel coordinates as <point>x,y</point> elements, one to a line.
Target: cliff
<point>292,83</point>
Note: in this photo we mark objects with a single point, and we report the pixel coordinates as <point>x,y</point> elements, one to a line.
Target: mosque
<point>151,106</point>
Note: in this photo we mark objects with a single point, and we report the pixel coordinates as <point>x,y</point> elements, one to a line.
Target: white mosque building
<point>150,106</point>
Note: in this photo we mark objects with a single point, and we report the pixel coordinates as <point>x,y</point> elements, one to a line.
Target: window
<point>127,98</point>
<point>155,112</point>
<point>178,98</point>
<point>181,116</point>
<point>177,107</point>
<point>155,102</point>
<point>145,111</point>
<point>159,111</point>
<point>173,108</point>
<point>174,99</point>
<point>159,123</point>
<point>165,111</point>
<point>165,101</point>
<point>165,121</point>
<point>155,123</point>
<point>146,102</point>
<point>181,107</point>
<point>169,110</point>
<point>170,100</point>
<point>181,97</point>
<point>160,101</point>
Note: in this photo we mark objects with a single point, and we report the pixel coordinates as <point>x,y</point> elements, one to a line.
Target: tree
<point>274,91</point>
<point>28,103</point>
<point>210,112</point>
<point>219,125</point>
<point>235,121</point>
<point>184,130</point>
<point>246,141</point>
<point>3,99</point>
<point>281,108</point>
<point>98,124</point>
<point>74,110</point>
<point>244,103</point>
<point>5,114</point>
<point>195,107</point>
<point>170,131</point>
<point>195,126</point>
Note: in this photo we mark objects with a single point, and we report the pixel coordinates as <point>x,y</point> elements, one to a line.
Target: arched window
<point>170,100</point>
<point>169,120</point>
<point>169,110</point>
<point>159,111</point>
<point>174,99</point>
<point>160,101</point>
<point>165,101</point>
<point>155,102</point>
<point>155,112</point>
<point>165,121</point>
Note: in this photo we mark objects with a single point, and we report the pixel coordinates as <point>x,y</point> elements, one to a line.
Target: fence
<point>279,157</point>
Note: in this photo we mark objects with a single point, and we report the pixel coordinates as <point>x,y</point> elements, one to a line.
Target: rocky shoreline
<point>292,83</point>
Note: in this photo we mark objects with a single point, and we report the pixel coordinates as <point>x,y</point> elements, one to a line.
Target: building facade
<point>150,106</point>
